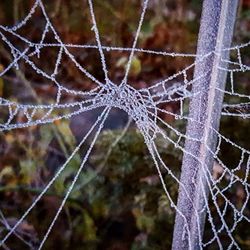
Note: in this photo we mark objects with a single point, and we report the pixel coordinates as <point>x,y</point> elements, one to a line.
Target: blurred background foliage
<point>118,202</point>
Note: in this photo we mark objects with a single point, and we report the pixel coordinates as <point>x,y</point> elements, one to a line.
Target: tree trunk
<point>216,30</point>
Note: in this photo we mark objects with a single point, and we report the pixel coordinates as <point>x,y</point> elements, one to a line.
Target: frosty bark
<point>216,30</point>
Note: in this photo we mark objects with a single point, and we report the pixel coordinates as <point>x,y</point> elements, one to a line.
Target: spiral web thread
<point>143,106</point>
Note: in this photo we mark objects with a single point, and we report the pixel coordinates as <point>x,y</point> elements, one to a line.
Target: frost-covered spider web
<point>146,108</point>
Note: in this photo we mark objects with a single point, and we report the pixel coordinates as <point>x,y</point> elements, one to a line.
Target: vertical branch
<point>216,32</point>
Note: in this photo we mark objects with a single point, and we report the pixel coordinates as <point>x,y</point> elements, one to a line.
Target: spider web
<point>144,107</point>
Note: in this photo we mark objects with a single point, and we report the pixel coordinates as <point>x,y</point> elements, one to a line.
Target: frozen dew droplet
<point>193,180</point>
<point>17,66</point>
<point>183,237</point>
<point>123,94</point>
